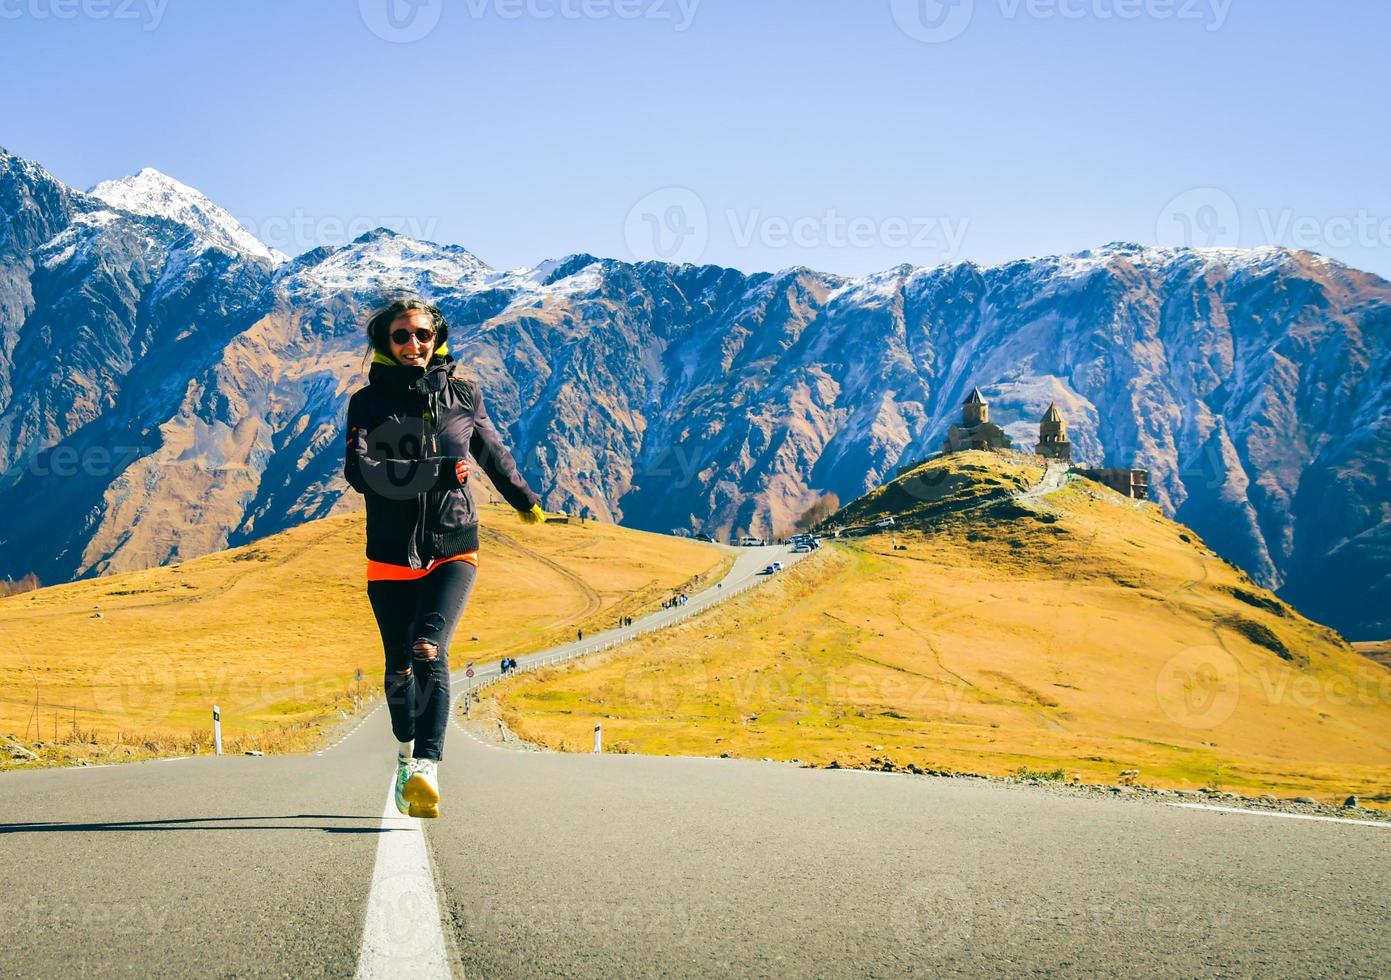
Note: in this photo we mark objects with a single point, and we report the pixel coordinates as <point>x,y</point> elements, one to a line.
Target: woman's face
<point>412,326</point>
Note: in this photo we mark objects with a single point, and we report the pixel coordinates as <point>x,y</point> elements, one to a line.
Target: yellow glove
<point>534,516</point>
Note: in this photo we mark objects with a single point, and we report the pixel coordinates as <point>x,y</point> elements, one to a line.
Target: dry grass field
<point>1378,650</point>
<point>131,665</point>
<point>1082,632</point>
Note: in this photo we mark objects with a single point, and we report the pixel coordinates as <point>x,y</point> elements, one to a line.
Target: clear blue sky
<point>530,129</point>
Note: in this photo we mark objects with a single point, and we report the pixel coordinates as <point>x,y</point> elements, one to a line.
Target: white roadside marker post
<point>598,739</point>
<point>217,730</point>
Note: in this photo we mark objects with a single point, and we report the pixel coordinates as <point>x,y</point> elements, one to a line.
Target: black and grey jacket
<point>406,431</point>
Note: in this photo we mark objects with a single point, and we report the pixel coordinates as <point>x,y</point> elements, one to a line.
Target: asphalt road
<point>611,865</point>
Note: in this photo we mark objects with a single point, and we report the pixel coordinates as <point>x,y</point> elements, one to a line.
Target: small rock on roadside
<point>1350,802</point>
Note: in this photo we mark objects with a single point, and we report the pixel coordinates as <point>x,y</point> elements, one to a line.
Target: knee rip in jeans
<point>425,650</point>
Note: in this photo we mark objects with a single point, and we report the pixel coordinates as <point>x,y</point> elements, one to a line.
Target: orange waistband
<point>380,571</point>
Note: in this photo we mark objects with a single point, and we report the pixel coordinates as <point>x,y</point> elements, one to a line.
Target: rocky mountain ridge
<point>168,388</point>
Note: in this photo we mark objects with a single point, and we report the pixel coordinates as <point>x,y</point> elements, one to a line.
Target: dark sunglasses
<point>423,336</point>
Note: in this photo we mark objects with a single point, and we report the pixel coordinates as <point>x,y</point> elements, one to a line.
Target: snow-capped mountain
<point>380,263</point>
<point>160,196</point>
<point>1253,385</point>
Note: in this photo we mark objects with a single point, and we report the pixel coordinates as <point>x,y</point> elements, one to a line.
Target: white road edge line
<point>1289,816</point>
<point>403,934</point>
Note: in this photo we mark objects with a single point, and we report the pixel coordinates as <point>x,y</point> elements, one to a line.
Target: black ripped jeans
<point>417,689</point>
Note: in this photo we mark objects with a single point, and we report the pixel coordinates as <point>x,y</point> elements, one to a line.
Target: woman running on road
<point>410,432</point>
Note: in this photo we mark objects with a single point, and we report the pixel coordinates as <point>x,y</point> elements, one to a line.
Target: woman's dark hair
<point>379,323</point>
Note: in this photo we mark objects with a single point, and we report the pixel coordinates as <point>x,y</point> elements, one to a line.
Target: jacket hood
<point>387,373</point>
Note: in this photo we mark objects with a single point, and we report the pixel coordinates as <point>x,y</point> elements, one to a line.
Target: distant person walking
<point>409,434</point>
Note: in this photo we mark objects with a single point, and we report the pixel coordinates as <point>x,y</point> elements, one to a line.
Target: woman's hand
<point>534,516</point>
<point>461,471</point>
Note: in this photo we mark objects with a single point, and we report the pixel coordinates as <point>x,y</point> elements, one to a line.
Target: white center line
<point>403,935</point>
<point>1290,816</point>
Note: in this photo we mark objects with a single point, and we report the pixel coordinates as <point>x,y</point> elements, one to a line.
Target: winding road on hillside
<point>1054,478</point>
<point>618,865</point>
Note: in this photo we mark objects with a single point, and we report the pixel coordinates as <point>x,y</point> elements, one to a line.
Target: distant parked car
<point>768,570</point>
<point>886,522</point>
<point>702,536</point>
<point>749,541</point>
<point>777,566</point>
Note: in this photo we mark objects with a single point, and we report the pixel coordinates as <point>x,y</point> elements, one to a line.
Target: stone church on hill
<point>975,431</point>
<point>1052,436</point>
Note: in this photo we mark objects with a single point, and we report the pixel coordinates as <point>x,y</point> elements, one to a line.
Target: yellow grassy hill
<point>274,632</point>
<point>1378,650</point>
<point>1079,630</point>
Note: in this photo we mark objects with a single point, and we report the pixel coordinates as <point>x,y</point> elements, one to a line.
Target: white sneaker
<point>403,772</point>
<point>421,791</point>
